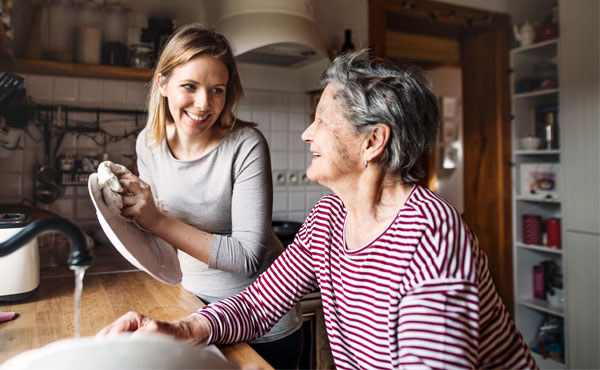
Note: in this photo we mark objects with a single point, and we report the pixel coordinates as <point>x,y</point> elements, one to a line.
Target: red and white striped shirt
<point>420,295</point>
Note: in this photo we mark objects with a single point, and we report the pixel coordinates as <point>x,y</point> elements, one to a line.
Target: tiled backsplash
<point>281,117</point>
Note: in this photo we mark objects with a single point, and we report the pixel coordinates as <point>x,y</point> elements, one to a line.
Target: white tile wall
<point>281,117</point>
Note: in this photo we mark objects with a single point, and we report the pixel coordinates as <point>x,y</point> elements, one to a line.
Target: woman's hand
<point>138,202</point>
<point>194,329</point>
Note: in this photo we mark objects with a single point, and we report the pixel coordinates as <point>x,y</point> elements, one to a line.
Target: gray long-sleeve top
<point>227,192</point>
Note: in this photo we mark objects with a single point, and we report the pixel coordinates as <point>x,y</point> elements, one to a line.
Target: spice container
<point>89,32</point>
<point>114,43</point>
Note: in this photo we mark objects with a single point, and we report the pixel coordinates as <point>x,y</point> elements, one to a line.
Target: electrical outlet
<point>279,178</point>
<point>293,177</point>
<point>304,179</point>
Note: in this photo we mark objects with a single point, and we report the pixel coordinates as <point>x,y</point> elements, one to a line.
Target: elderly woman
<point>402,278</point>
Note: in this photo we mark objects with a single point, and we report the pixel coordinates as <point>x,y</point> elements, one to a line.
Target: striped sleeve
<point>251,313</point>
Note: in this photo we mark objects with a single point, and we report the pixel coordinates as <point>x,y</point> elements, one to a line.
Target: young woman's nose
<point>307,134</point>
<point>201,100</point>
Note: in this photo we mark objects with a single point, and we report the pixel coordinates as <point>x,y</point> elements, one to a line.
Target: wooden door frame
<point>486,127</point>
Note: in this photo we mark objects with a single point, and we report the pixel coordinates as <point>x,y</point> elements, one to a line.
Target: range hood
<point>275,42</point>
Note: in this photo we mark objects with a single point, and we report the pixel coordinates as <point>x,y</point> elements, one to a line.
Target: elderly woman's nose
<point>307,134</point>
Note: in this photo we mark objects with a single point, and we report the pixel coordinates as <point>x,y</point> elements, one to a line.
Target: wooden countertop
<point>107,294</point>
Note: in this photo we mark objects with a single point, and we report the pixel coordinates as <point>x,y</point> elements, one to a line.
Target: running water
<point>79,273</point>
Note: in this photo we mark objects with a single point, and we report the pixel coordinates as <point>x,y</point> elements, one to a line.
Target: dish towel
<point>110,184</point>
<point>7,316</point>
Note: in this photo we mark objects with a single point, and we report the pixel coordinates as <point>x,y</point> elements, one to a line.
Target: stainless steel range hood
<point>275,42</point>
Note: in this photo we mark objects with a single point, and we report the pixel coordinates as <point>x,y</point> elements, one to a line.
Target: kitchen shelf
<point>541,305</point>
<point>77,70</point>
<point>537,152</point>
<point>540,248</point>
<point>530,94</point>
<point>524,198</point>
<point>530,311</point>
<point>545,48</point>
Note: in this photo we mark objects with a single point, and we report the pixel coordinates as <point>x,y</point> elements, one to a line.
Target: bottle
<point>549,130</point>
<point>348,46</point>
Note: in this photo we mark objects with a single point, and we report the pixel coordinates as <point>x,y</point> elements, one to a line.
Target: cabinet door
<point>583,300</point>
<point>579,111</point>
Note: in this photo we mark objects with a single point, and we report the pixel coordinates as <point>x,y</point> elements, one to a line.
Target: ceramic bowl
<point>530,142</point>
<point>120,352</point>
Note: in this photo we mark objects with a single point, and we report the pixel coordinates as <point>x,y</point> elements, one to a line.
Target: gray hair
<point>375,90</point>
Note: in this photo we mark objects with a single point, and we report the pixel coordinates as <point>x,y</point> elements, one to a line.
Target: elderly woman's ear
<point>375,141</point>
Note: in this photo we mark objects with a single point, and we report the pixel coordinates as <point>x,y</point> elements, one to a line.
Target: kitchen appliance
<point>275,42</point>
<point>20,270</point>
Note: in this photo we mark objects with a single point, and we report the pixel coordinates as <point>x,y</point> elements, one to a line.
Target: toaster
<point>20,270</point>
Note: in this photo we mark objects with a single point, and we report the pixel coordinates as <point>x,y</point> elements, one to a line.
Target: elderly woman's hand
<point>194,328</point>
<point>138,202</point>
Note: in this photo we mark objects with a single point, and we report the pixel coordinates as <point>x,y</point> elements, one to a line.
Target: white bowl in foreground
<point>122,352</point>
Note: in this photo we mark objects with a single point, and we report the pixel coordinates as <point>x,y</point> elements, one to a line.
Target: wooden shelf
<point>77,70</point>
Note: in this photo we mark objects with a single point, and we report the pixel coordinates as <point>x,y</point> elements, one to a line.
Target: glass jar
<point>89,32</point>
<point>114,35</point>
<point>60,27</point>
<point>139,55</point>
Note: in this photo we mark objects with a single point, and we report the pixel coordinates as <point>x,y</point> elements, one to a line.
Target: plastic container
<point>89,32</point>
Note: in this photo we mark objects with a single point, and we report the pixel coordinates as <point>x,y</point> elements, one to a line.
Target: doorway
<point>437,35</point>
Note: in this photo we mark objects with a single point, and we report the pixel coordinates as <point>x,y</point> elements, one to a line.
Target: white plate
<point>142,249</point>
<point>120,352</point>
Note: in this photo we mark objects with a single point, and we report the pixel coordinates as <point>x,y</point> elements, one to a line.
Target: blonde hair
<point>186,43</point>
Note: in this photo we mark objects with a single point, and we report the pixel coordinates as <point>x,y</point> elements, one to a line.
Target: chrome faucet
<point>80,254</point>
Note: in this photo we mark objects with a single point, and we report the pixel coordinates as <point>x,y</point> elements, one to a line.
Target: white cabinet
<point>537,199</point>
<point>579,61</point>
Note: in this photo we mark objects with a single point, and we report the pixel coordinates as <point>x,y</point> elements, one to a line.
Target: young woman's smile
<point>196,92</point>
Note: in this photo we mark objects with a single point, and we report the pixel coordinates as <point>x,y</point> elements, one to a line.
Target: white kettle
<point>20,270</point>
<point>526,34</point>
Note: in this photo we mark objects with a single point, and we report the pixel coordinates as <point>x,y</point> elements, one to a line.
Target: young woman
<point>212,173</point>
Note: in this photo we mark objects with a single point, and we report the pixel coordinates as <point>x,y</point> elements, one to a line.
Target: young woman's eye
<point>218,90</point>
<point>189,87</point>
